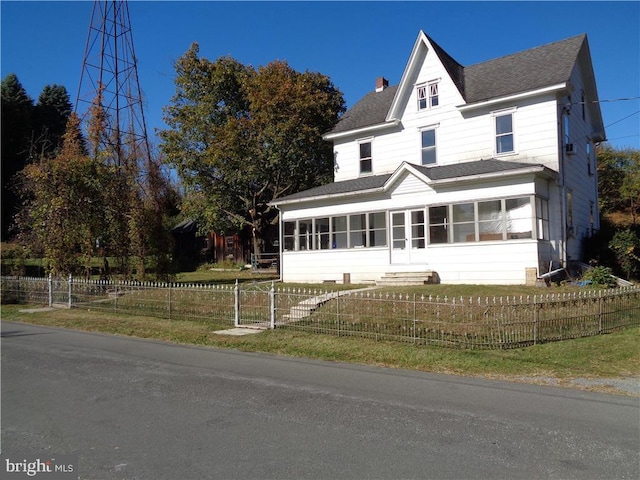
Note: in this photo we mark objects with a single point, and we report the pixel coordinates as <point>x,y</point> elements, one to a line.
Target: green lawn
<point>612,355</point>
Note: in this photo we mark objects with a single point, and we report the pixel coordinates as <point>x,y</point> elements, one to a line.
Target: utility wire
<point>618,121</point>
<point>625,99</point>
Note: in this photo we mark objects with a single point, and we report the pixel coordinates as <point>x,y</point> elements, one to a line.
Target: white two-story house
<point>479,174</point>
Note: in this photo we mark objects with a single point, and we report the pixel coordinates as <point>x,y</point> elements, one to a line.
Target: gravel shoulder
<point>629,386</point>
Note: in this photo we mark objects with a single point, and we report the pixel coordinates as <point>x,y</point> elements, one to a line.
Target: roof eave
<point>511,98</point>
<point>362,131</point>
<point>327,196</point>
<point>534,169</point>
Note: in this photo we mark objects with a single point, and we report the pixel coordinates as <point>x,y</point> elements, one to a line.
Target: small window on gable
<point>428,96</point>
<point>434,99</point>
<point>504,133</point>
<point>428,147</point>
<point>422,97</point>
<point>365,157</point>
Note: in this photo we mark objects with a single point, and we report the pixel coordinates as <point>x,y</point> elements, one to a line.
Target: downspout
<point>563,188</point>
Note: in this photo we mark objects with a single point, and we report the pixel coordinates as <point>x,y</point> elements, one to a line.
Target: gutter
<point>362,130</point>
<point>471,178</point>
<point>519,96</point>
<point>328,196</point>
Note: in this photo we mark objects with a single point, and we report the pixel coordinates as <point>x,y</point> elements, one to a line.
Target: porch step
<point>407,278</point>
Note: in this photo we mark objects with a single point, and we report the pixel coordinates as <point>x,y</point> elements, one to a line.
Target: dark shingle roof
<point>372,109</point>
<point>454,69</point>
<point>528,70</point>
<point>336,188</point>
<point>468,169</point>
<point>440,172</point>
<point>520,72</point>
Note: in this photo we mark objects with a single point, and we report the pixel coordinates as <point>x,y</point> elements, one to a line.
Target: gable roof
<point>432,175</point>
<point>529,70</point>
<point>371,110</point>
<point>453,68</point>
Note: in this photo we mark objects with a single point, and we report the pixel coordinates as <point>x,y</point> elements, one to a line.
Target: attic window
<point>428,96</point>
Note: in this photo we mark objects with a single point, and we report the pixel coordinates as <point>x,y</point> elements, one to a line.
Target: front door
<point>400,241</point>
<point>408,239</point>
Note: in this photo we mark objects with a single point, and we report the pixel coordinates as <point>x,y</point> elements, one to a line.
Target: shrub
<point>599,276</point>
<point>626,246</point>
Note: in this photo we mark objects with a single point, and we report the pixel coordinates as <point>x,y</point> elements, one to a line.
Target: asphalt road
<point>138,409</point>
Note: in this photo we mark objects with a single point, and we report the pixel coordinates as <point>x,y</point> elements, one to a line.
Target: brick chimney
<point>381,84</point>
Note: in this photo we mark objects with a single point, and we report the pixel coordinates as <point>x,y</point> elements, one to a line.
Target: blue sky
<point>351,42</point>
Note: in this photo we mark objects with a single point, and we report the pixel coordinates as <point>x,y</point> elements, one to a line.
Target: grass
<point>612,355</point>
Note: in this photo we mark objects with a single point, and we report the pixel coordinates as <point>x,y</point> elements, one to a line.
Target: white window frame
<point>361,142</point>
<point>494,119</point>
<point>431,85</point>
<point>427,128</point>
<point>422,97</point>
<point>425,95</point>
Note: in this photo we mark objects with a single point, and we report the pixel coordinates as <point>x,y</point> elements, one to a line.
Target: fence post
<point>169,301</point>
<point>415,339</point>
<point>50,290</point>
<point>236,295</point>
<point>272,305</point>
<point>338,311</point>
<point>69,300</point>
<point>600,312</point>
<point>535,320</point>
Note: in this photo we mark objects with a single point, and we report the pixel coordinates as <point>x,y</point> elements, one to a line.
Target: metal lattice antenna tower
<point>110,76</point>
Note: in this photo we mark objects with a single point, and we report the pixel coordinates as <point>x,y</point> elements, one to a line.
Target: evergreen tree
<point>17,110</point>
<point>51,114</point>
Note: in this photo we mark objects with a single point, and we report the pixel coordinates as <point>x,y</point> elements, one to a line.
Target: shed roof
<point>436,173</point>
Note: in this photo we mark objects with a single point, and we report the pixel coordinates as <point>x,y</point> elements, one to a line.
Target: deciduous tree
<point>619,180</point>
<point>242,137</point>
<point>62,214</point>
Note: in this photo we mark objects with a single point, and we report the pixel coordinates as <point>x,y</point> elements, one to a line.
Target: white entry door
<point>400,241</point>
<point>408,237</point>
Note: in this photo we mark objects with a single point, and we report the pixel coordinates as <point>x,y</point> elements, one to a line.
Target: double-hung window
<point>464,229</point>
<point>305,234</point>
<point>428,147</point>
<point>504,133</point>
<point>322,233</point>
<point>365,157</point>
<point>542,218</point>
<point>438,224</point>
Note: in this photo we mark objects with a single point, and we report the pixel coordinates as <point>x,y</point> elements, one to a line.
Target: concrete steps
<point>392,279</point>
<point>307,307</point>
